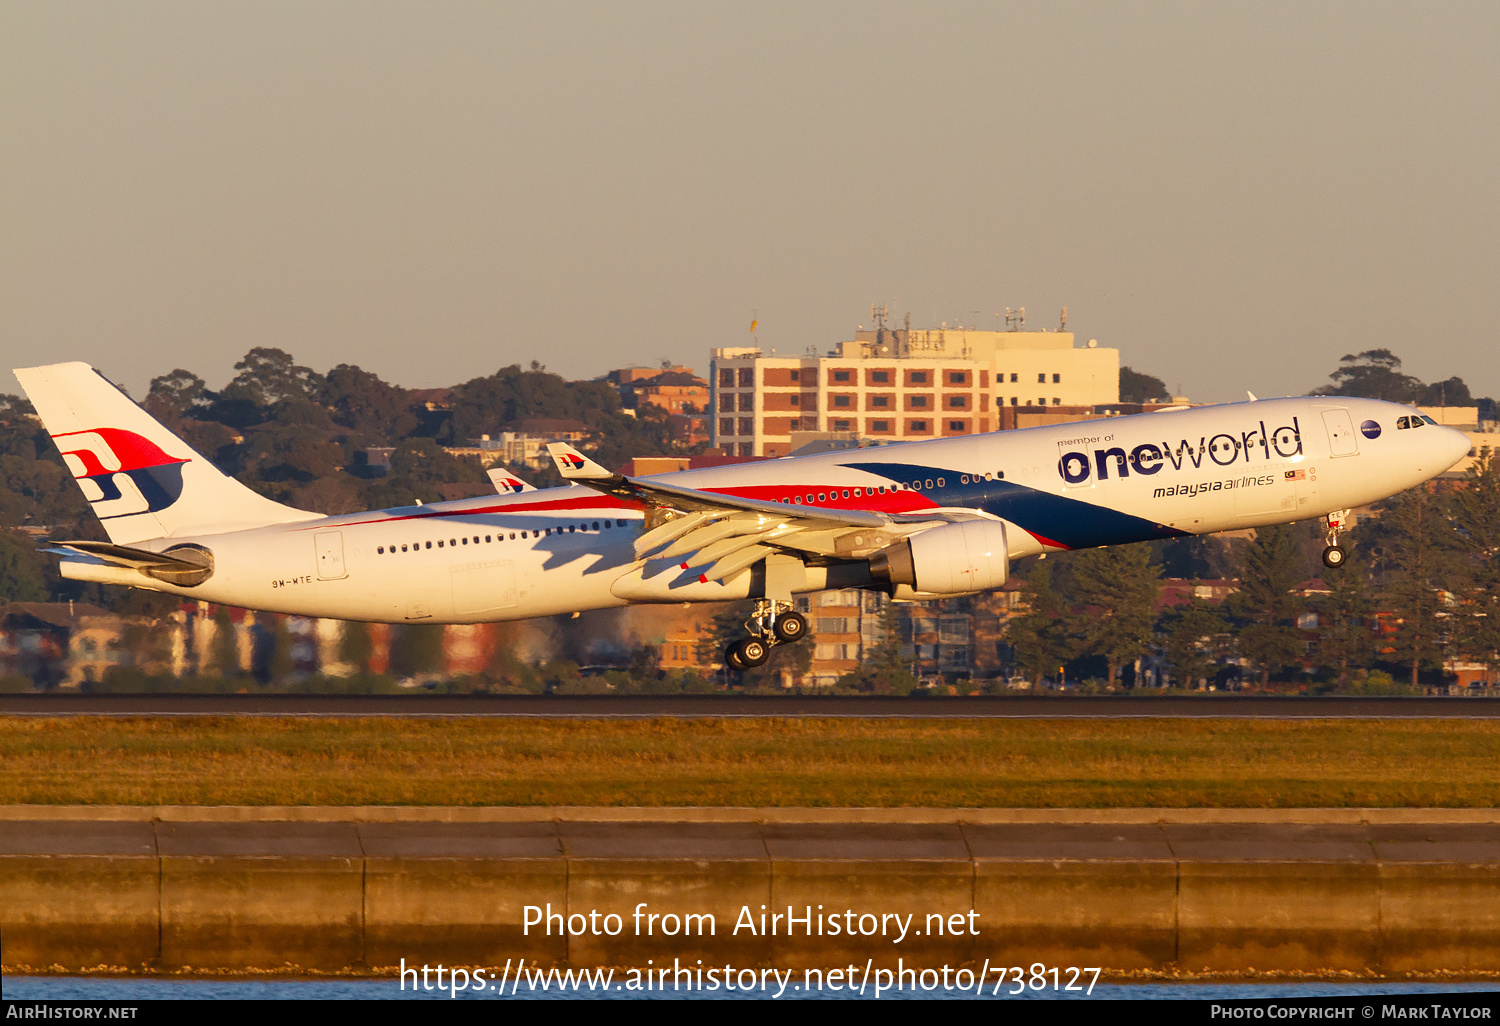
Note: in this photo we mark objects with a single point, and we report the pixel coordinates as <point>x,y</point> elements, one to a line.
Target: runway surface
<point>707,706</point>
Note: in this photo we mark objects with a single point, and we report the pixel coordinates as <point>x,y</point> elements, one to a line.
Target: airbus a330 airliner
<point>917,520</point>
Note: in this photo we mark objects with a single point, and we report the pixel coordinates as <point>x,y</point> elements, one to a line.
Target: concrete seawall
<point>1299,890</point>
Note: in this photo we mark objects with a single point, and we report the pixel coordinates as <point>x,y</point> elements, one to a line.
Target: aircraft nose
<point>1454,446</point>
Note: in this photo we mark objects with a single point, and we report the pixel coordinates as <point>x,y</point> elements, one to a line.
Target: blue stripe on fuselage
<point>1071,522</point>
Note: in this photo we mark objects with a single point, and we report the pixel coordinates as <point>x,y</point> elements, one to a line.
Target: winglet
<point>573,465</point>
<point>1251,394</point>
<point>507,483</point>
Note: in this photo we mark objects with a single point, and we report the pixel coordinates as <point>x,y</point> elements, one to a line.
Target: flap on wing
<point>732,532</point>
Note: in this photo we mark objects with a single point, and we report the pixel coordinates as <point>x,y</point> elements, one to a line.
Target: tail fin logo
<point>571,461</point>
<point>121,473</point>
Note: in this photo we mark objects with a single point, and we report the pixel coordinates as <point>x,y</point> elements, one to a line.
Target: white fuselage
<point>1097,482</point>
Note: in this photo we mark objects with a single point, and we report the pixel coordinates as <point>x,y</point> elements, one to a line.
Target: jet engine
<point>954,559</point>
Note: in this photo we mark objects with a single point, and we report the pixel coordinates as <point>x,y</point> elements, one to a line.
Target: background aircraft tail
<point>142,481</point>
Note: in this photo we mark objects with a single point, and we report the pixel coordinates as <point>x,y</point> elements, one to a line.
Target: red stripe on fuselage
<point>600,502</point>
<point>889,502</point>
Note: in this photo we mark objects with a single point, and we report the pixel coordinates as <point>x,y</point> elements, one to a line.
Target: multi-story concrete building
<point>903,384</point>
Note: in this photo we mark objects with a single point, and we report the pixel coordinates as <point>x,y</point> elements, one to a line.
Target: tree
<point>14,406</point>
<point>1264,605</point>
<point>294,450</point>
<point>21,576</point>
<point>417,648</point>
<point>1191,630</point>
<point>224,651</point>
<point>176,393</point>
<point>1136,387</point>
<point>881,668</point>
<point>269,376</point>
<point>1452,392</point>
<point>1117,588</point>
<point>1345,638</point>
<point>1374,374</point>
<point>1039,637</point>
<point>282,664</point>
<point>362,402</point>
<point>1415,549</point>
<point>1476,514</point>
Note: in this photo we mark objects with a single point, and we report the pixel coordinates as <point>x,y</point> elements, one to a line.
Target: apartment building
<point>956,638</point>
<point>902,384</point>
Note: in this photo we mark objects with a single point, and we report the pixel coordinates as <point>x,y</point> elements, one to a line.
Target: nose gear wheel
<point>1335,555</point>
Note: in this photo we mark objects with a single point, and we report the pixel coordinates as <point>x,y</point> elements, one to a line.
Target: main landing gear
<point>773,623</point>
<point>1335,555</point>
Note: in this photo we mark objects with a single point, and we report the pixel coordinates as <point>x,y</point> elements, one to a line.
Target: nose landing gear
<point>773,623</point>
<point>1335,555</point>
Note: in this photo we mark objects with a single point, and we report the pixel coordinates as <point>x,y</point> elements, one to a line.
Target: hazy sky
<point>1234,195</point>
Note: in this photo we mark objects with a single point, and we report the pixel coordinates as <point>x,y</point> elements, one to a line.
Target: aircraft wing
<point>727,534</point>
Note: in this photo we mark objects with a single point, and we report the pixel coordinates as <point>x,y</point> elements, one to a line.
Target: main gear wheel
<point>790,627</point>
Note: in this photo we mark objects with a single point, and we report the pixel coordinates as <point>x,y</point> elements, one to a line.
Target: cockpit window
<point>1428,420</point>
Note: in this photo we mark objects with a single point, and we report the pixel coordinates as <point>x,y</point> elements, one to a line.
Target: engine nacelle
<point>954,559</point>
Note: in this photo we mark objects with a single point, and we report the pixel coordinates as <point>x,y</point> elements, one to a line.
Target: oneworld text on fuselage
<point>1077,466</point>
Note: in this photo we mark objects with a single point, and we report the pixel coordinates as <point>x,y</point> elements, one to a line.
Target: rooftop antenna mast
<point>1064,325</point>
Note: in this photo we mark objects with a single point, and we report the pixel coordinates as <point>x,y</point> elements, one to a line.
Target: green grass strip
<point>1064,763</point>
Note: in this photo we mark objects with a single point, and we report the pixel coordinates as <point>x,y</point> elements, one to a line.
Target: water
<point>76,988</point>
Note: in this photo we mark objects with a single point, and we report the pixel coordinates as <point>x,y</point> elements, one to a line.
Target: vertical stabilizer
<point>142,481</point>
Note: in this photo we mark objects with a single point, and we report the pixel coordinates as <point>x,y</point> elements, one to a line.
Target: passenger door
<point>1341,437</point>
<point>330,549</point>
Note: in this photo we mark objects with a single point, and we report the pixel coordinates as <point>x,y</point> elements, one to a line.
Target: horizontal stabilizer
<point>574,465</point>
<point>184,565</point>
<point>507,483</point>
